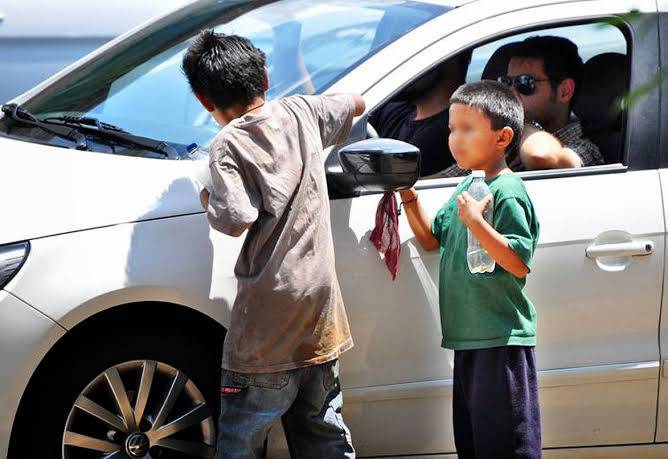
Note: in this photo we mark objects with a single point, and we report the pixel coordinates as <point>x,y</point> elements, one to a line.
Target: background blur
<point>39,38</point>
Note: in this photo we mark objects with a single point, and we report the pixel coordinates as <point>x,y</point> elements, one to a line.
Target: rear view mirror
<point>379,165</point>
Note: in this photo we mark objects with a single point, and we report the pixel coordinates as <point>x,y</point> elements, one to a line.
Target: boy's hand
<point>470,210</point>
<point>204,198</point>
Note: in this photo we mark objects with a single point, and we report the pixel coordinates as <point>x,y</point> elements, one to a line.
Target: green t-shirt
<point>480,311</point>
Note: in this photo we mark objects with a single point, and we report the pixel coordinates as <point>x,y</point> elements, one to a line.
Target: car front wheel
<point>124,396</point>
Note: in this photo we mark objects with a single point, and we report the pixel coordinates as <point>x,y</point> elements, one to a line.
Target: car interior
<point>598,103</point>
<point>604,83</point>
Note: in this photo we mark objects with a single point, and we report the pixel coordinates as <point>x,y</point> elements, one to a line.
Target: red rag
<point>385,236</point>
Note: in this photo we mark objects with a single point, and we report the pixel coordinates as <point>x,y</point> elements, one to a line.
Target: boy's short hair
<point>498,102</point>
<point>225,69</point>
<point>560,58</point>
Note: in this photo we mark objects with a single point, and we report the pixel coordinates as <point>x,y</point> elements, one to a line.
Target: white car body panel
<point>70,190</point>
<point>27,335</point>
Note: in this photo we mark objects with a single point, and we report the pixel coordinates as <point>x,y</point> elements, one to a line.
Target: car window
<point>591,40</point>
<point>309,45</point>
<point>596,107</point>
<point>412,115</point>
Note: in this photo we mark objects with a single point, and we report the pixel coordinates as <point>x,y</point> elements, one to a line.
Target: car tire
<point>49,402</point>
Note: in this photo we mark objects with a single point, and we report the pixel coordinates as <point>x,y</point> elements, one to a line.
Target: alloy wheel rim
<point>140,409</point>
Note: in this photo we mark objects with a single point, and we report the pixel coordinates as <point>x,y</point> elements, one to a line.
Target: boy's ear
<point>205,102</point>
<point>266,80</point>
<point>505,137</point>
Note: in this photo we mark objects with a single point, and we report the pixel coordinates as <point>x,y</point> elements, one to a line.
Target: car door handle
<point>624,249</point>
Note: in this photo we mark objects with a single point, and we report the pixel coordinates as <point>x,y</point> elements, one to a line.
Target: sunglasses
<point>525,84</point>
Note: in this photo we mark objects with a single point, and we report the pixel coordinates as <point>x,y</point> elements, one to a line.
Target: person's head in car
<point>227,74</point>
<point>545,71</point>
<point>435,87</point>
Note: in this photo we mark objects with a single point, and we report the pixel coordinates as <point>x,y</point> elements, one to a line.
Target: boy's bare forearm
<point>498,247</point>
<point>418,220</point>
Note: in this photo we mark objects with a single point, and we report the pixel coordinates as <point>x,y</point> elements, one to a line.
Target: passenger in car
<point>419,115</point>
<point>545,73</point>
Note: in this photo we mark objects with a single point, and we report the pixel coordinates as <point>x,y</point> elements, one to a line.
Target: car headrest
<point>497,65</point>
<point>602,87</point>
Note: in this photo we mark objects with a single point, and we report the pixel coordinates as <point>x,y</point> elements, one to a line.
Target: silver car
<point>115,294</point>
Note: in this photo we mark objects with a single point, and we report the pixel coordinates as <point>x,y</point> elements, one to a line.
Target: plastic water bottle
<point>202,171</point>
<point>478,259</point>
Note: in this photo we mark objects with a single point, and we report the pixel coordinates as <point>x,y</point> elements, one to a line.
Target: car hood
<point>46,190</point>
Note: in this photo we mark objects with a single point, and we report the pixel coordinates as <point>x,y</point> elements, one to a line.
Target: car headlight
<point>12,257</point>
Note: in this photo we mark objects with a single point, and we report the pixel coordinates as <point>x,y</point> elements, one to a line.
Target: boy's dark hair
<point>560,58</point>
<point>225,69</point>
<point>498,102</point>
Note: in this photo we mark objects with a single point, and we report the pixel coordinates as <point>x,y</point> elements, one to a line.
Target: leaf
<point>639,92</point>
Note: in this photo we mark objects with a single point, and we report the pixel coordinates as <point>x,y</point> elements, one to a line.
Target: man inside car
<point>419,115</point>
<point>545,72</point>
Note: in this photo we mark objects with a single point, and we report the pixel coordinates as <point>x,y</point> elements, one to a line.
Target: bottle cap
<point>478,174</point>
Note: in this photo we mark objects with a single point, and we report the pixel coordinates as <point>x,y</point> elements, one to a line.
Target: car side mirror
<point>380,165</point>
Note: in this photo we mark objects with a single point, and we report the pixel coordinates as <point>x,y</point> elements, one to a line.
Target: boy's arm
<point>418,220</point>
<point>204,200</point>
<point>496,245</point>
<point>334,114</point>
<point>360,104</point>
<point>233,203</point>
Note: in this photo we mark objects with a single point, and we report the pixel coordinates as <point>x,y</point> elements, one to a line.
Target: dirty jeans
<point>308,400</point>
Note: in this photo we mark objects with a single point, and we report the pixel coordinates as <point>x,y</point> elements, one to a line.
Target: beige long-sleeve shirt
<point>268,172</point>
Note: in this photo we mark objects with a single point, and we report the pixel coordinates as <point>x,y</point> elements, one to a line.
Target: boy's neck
<point>496,168</point>
<point>238,111</point>
<point>255,105</point>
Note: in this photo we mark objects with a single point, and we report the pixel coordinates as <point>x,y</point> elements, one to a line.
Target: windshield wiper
<point>84,120</point>
<point>21,115</point>
<point>109,131</point>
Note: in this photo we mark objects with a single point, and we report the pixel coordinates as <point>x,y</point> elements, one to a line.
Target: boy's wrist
<point>474,221</point>
<point>408,195</point>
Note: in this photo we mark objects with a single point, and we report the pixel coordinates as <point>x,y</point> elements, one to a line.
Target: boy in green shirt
<point>486,318</point>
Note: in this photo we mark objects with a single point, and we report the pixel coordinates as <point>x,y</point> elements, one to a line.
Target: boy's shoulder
<point>218,146</point>
<point>507,186</point>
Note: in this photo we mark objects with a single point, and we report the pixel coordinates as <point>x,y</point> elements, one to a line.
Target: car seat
<point>599,103</point>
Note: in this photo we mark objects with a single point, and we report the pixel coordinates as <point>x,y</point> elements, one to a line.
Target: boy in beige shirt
<point>289,325</point>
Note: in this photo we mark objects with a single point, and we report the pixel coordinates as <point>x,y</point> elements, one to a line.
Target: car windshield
<point>139,86</point>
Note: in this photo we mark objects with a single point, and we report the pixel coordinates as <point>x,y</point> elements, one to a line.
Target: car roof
<point>451,3</point>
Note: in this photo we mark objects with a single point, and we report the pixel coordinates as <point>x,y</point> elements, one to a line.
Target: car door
<point>662,420</point>
<point>598,315</point>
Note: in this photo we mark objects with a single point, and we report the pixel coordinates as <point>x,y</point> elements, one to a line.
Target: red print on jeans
<point>229,390</point>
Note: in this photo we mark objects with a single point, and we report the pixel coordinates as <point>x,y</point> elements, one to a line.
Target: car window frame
<point>663,91</point>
